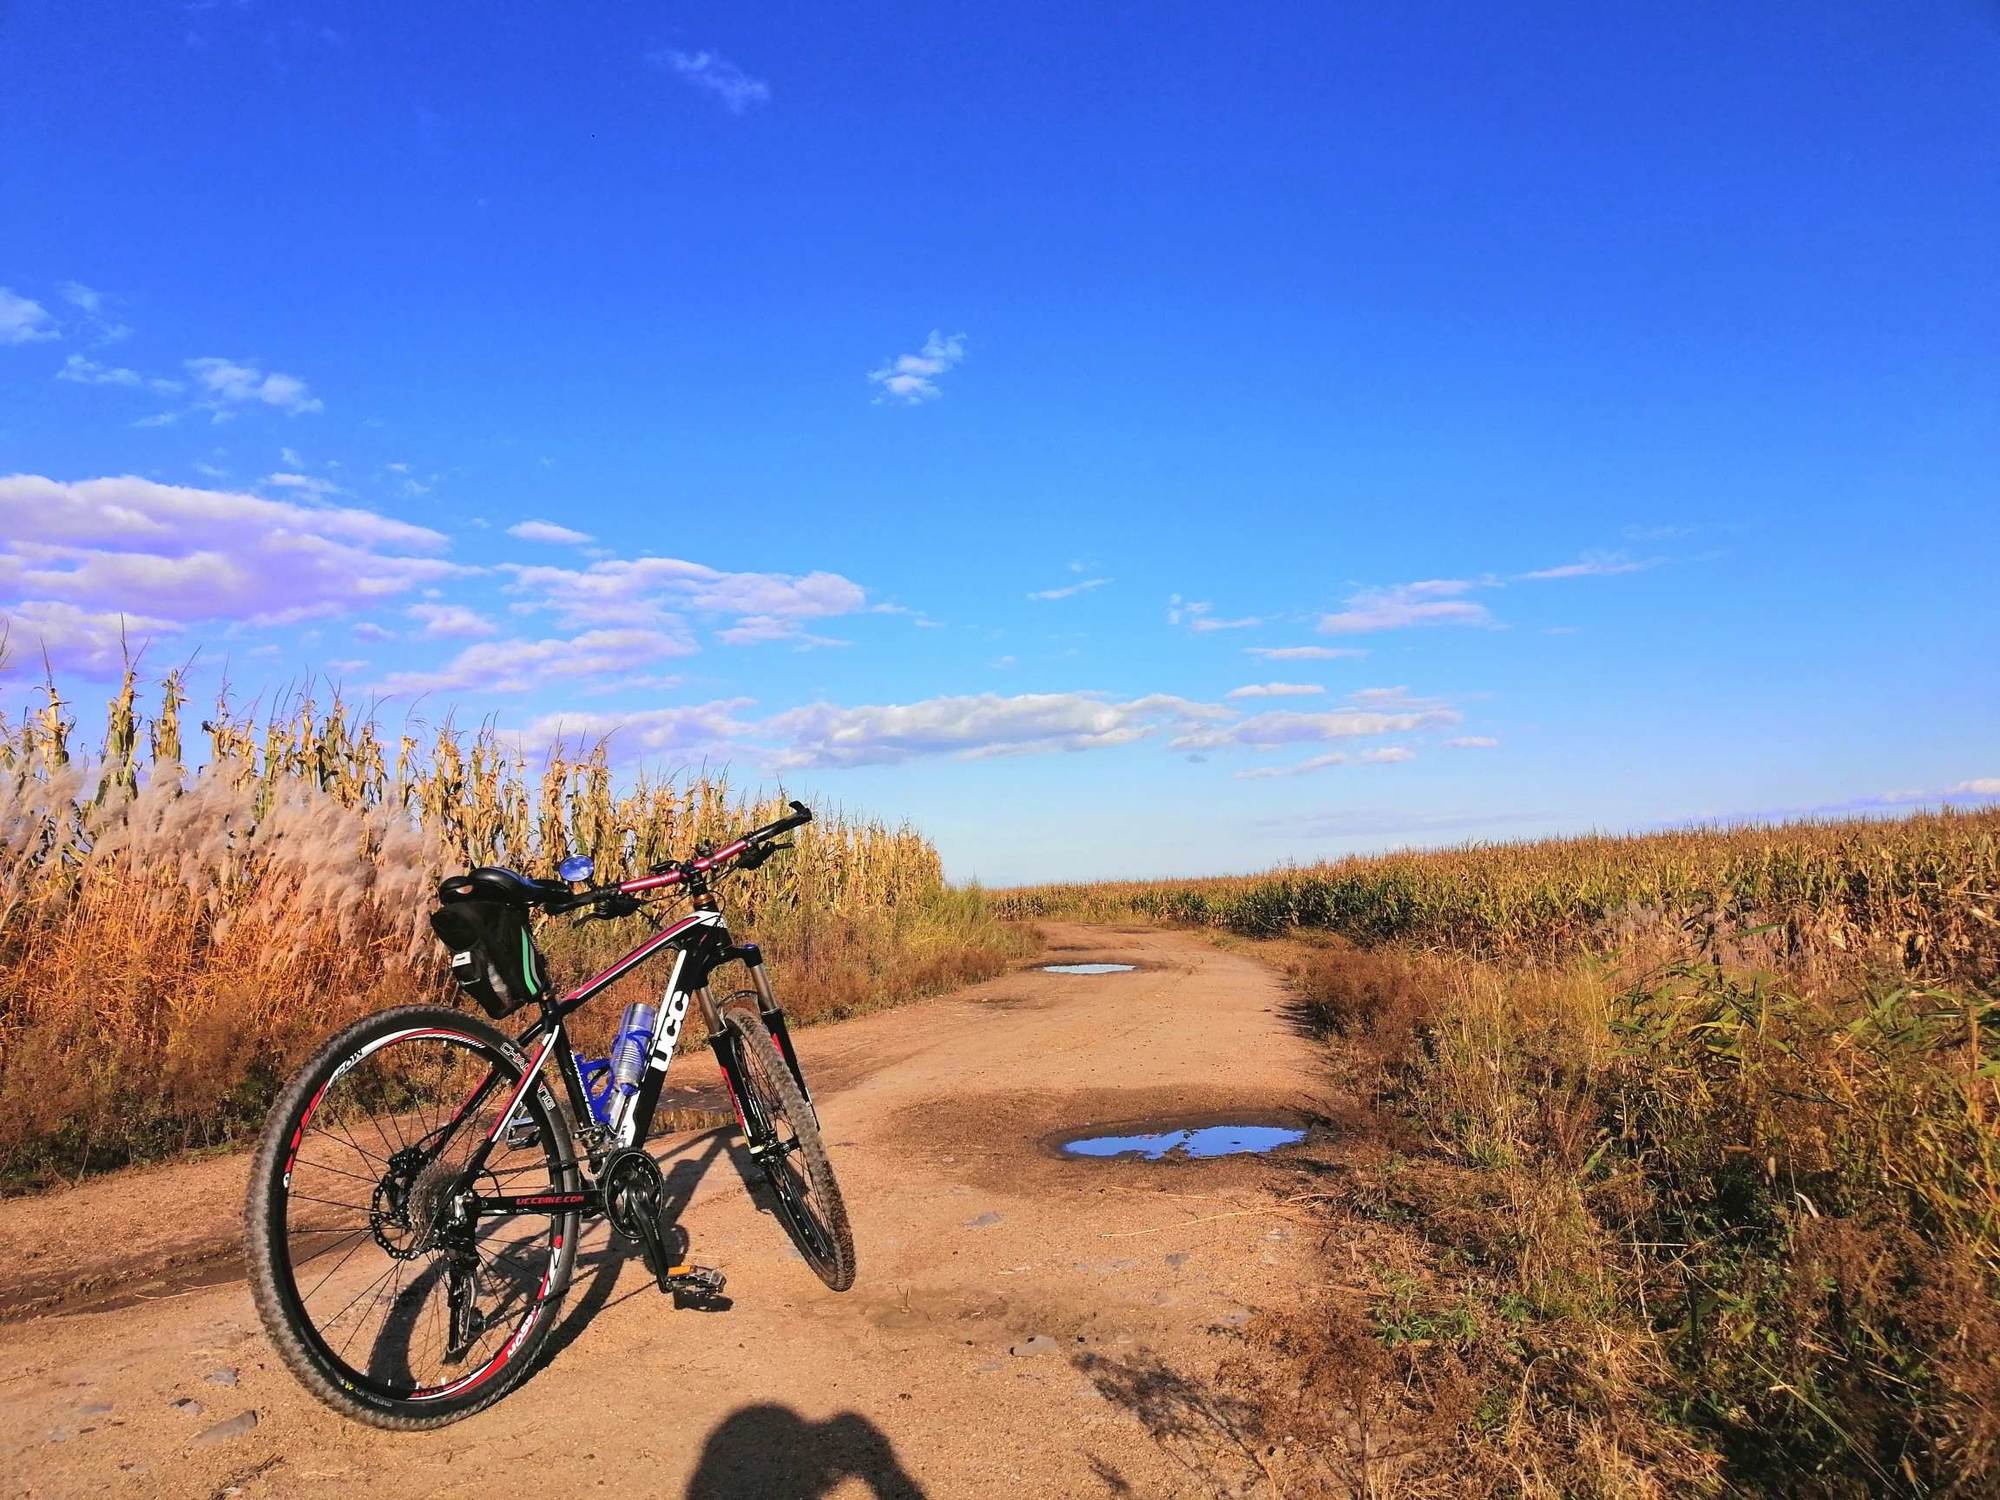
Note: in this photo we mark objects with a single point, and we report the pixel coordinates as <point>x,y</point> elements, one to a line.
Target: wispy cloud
<point>1383,755</point>
<point>715,74</point>
<point>304,484</point>
<point>519,665</point>
<point>974,727</point>
<point>755,630</point>
<point>451,620</point>
<point>1473,742</point>
<point>1070,590</point>
<point>24,320</point>
<point>1304,767</point>
<point>1199,616</point>
<point>911,379</point>
<point>226,384</point>
<point>1590,565</point>
<point>1432,601</point>
<point>1276,690</point>
<point>1278,727</point>
<point>1304,653</point>
<point>650,590</point>
<point>1386,822</point>
<point>549,531</point>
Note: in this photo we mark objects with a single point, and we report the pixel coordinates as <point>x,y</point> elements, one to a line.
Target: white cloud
<point>1303,653</point>
<point>975,726</point>
<point>717,75</point>
<point>647,590</point>
<point>24,320</point>
<point>84,371</point>
<point>76,294</point>
<point>93,642</point>
<point>305,484</point>
<point>230,383</point>
<point>1474,742</point>
<point>518,665</point>
<point>179,553</point>
<point>1388,755</point>
<point>450,620</point>
<point>753,630</point>
<point>1980,786</point>
<point>912,378</point>
<point>1590,565</point>
<point>1433,601</point>
<point>368,630</point>
<point>707,729</point>
<point>1069,591</point>
<point>1283,727</point>
<point>548,531</point>
<point>1199,616</point>
<point>1276,690</point>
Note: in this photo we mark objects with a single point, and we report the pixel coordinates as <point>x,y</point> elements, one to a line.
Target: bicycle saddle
<point>493,883</point>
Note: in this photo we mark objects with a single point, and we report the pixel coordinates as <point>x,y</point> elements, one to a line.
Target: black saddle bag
<point>493,957</point>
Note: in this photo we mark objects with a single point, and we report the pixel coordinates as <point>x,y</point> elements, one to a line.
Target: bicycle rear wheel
<point>385,1298</point>
<point>784,1139</point>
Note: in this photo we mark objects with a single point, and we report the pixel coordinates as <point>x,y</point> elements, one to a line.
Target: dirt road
<point>1023,1324</point>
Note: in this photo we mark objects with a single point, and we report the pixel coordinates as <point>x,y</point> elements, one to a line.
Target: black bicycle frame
<point>701,944</point>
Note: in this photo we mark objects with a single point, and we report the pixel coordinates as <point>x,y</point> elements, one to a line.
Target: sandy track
<point>972,1238</point>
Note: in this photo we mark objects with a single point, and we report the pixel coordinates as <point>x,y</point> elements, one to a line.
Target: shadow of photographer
<point>770,1452</point>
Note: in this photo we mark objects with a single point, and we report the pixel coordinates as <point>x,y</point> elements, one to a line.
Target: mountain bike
<point>416,1196</point>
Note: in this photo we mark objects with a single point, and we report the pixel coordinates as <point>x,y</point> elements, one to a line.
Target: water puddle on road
<point>1088,968</point>
<point>1207,1140</point>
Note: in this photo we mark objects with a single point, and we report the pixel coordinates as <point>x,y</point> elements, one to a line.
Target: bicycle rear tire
<point>319,1132</point>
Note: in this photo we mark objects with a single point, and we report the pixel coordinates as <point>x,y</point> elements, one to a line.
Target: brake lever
<point>609,908</point>
<point>761,853</point>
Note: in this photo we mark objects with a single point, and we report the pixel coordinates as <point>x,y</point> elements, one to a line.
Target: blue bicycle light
<point>576,867</point>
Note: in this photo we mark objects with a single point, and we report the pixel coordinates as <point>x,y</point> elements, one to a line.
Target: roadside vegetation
<point>1685,1168</point>
<point>174,940</point>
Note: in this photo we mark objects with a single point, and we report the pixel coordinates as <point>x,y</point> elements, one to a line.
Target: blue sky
<point>1122,440</point>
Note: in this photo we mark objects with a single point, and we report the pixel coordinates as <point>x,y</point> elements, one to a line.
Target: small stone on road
<point>241,1425</point>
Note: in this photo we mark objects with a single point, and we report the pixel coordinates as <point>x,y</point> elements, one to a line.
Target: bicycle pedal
<point>697,1283</point>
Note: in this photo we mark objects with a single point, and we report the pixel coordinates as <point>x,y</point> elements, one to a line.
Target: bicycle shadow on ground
<point>770,1452</point>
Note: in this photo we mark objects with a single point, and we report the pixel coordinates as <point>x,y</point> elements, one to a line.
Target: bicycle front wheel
<point>387,1296</point>
<point>784,1139</point>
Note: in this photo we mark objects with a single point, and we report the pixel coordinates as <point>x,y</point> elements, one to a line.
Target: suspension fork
<point>773,1016</point>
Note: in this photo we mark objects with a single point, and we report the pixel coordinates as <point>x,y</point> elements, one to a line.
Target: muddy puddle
<point>1088,968</point>
<point>1196,1142</point>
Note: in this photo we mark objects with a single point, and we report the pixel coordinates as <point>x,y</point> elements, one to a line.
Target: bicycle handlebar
<point>678,873</point>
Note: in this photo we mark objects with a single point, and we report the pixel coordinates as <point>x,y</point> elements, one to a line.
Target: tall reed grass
<point>173,939</point>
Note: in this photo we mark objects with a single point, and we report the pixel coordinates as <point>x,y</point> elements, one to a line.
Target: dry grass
<point>1687,1174</point>
<point>172,943</point>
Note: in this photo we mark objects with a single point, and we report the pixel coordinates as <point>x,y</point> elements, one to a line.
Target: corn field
<point>173,939</point>
<point>1700,1187</point>
<point>1922,893</point>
